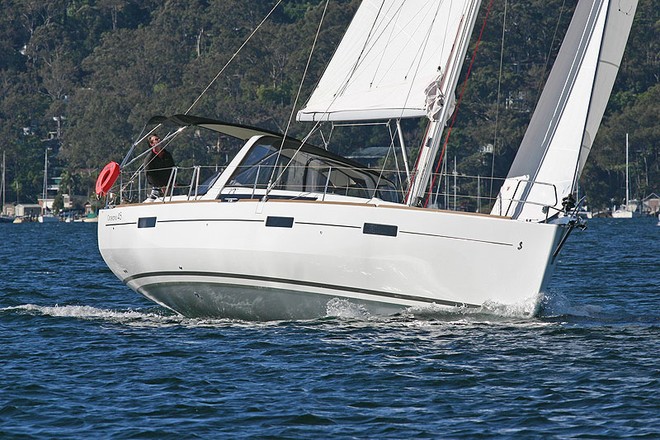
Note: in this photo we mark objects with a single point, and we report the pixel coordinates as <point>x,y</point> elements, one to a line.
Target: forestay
<point>392,52</point>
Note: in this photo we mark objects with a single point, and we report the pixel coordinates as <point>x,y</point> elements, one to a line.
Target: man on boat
<point>158,164</point>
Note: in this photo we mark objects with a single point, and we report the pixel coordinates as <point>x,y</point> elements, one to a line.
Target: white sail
<point>562,129</point>
<point>392,52</point>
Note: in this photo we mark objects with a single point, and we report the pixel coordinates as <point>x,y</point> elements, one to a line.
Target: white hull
<point>47,219</point>
<point>584,214</point>
<point>621,213</point>
<point>288,259</point>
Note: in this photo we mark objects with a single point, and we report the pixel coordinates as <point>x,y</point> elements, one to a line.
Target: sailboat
<point>46,215</point>
<point>288,229</point>
<point>623,211</point>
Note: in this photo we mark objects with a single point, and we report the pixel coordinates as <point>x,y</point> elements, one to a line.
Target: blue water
<point>82,356</point>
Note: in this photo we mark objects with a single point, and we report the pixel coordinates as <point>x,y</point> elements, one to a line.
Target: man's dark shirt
<point>159,167</point>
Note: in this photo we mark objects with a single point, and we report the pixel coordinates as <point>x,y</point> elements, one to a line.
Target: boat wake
<point>553,308</point>
<point>127,317</point>
<point>338,308</point>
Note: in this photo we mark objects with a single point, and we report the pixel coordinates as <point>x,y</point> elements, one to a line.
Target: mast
<point>441,94</point>
<point>43,203</point>
<point>3,181</point>
<point>627,178</point>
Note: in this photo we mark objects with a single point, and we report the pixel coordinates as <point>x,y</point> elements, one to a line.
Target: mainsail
<point>562,129</point>
<point>394,54</point>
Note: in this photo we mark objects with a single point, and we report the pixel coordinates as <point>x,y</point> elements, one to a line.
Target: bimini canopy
<point>246,132</point>
<point>238,131</point>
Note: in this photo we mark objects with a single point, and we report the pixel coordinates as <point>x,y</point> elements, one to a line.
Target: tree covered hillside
<point>82,77</point>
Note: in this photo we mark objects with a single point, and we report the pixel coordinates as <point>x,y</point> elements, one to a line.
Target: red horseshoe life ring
<point>107,178</point>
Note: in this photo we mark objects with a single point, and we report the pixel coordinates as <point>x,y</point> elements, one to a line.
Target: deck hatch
<point>378,229</point>
<point>279,222</point>
<point>146,222</point>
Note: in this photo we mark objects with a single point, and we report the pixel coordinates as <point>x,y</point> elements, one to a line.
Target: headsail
<point>566,119</point>
<point>392,52</point>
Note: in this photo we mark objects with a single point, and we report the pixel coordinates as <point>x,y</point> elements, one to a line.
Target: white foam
<point>343,308</point>
<point>132,317</point>
<point>526,309</point>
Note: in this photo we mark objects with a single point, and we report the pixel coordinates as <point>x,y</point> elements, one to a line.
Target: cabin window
<point>204,187</point>
<point>306,170</point>
<point>256,168</point>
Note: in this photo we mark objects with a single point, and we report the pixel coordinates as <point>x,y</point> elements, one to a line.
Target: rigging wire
<point>497,103</point>
<point>127,161</point>
<point>393,133</point>
<point>293,109</point>
<point>353,69</point>
<point>417,67</point>
<point>552,44</point>
<point>233,56</point>
<point>346,83</point>
<point>460,97</point>
<point>359,59</point>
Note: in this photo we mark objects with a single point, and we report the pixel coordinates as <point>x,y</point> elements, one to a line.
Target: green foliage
<point>604,177</point>
<point>58,203</point>
<point>102,68</point>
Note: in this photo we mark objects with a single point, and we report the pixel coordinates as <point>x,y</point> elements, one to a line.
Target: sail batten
<point>391,53</point>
